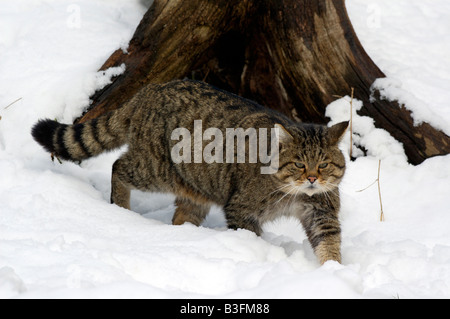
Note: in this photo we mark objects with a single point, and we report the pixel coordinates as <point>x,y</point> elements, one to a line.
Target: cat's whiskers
<point>330,188</point>
<point>291,201</point>
<point>278,189</point>
<point>292,187</point>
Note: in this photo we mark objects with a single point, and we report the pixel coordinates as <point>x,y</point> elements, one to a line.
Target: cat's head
<point>310,161</point>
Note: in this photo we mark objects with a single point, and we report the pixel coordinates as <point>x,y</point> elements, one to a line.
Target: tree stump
<point>293,56</point>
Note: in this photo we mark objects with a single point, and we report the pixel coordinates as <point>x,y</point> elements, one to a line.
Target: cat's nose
<point>312,179</point>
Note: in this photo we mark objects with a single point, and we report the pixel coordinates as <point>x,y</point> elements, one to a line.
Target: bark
<point>290,55</point>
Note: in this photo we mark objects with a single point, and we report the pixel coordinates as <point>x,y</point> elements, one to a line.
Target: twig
<point>362,190</point>
<point>351,123</point>
<point>379,193</point>
<point>12,103</point>
<point>351,119</point>
<point>207,73</point>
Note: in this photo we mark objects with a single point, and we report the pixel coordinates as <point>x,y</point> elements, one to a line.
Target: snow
<point>60,238</point>
<point>409,41</point>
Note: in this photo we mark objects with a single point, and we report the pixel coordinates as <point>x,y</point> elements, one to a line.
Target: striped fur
<point>82,141</point>
<point>306,185</point>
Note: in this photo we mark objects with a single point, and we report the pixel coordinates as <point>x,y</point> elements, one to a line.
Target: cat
<point>305,183</point>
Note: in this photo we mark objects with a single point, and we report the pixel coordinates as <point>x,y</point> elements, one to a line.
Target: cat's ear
<point>336,132</point>
<point>284,137</point>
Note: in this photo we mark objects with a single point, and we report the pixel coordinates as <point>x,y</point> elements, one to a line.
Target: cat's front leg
<point>240,215</point>
<point>324,234</point>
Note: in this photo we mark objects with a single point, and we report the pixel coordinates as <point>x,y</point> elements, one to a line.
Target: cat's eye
<point>300,165</point>
<point>323,165</point>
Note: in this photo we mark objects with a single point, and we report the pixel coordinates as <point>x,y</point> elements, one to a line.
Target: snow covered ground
<point>60,238</point>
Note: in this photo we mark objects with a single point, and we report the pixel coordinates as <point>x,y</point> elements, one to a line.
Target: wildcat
<point>305,185</point>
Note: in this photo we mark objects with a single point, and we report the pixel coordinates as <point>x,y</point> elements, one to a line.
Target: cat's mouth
<point>296,188</point>
<point>310,189</point>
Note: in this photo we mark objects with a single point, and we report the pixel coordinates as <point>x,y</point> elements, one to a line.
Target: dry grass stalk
<point>379,193</point>
<point>382,219</point>
<point>351,123</point>
<point>6,107</point>
<point>351,119</point>
<point>12,103</point>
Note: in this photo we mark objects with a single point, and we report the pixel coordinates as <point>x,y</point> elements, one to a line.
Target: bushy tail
<point>82,141</point>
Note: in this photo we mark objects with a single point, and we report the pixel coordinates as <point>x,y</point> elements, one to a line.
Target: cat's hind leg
<point>121,181</point>
<point>189,212</point>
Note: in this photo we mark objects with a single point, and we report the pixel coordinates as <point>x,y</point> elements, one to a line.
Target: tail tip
<point>43,132</point>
